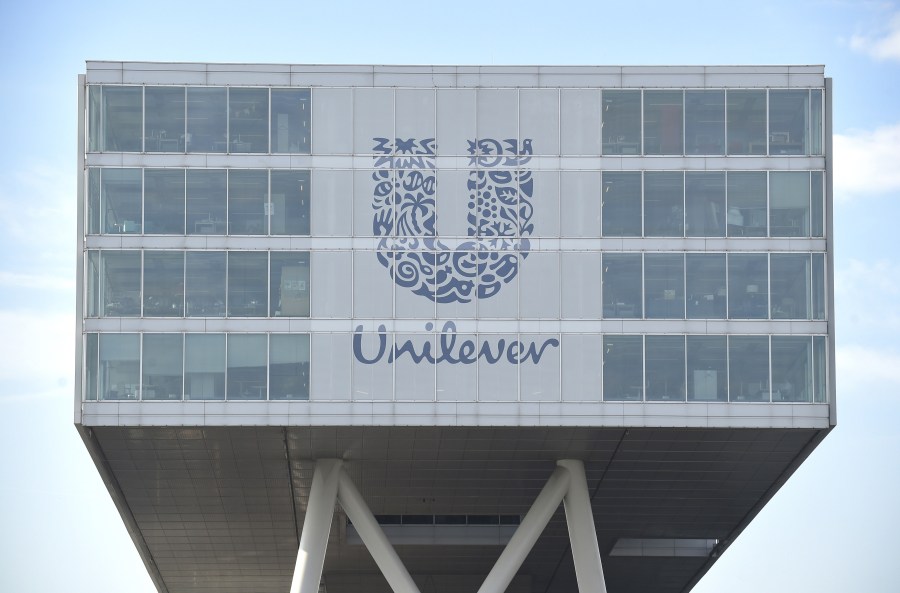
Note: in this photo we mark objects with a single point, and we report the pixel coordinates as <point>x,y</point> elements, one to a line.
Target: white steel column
<point>526,535</point>
<point>582,534</point>
<point>316,527</point>
<point>374,538</point>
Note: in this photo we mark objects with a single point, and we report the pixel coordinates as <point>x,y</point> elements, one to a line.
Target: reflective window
<point>290,120</point>
<point>663,204</point>
<point>621,122</point>
<point>119,366</point>
<point>247,280</point>
<point>705,281</point>
<point>748,286</point>
<point>164,201</point>
<point>707,375</point>
<point>704,197</point>
<point>789,203</point>
<point>205,284</point>
<point>788,121</point>
<point>204,366</point>
<point>820,370</point>
<point>206,201</point>
<point>92,279</point>
<point>817,207</point>
<point>247,207</point>
<point>746,121</point>
<point>748,368</point>
<point>164,119</point>
<point>290,203</point>
<point>247,355</point>
<point>622,368</point>
<point>818,286</point>
<point>746,204</point>
<point>120,200</point>
<point>663,122</point>
<point>164,283</point>
<point>91,365</point>
<point>120,283</point>
<point>704,122</point>
<point>161,376</point>
<point>791,369</point>
<point>816,121</point>
<point>790,273</point>
<point>207,124</point>
<point>289,366</point>
<point>121,120</point>
<point>622,295</point>
<point>289,288</point>
<point>93,202</point>
<point>248,120</point>
<point>664,285</point>
<point>95,128</point>
<point>621,204</point>
<point>664,360</point>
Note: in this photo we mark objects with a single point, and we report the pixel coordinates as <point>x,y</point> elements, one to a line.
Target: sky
<point>832,528</point>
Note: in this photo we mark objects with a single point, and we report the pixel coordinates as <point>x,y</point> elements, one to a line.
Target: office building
<point>404,319</point>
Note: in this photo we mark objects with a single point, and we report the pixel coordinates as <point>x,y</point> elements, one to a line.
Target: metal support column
<point>526,535</point>
<point>316,527</point>
<point>582,534</point>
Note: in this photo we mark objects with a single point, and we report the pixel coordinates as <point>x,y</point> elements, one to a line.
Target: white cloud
<point>883,46</point>
<point>865,162</point>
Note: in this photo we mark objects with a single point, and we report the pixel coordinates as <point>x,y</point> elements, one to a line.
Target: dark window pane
<point>162,358</point>
<point>622,285</point>
<point>206,200</point>
<point>748,368</point>
<point>247,193</point>
<point>792,369</point>
<point>289,288</point>
<point>788,121</point>
<point>120,197</point>
<point>204,366</point>
<point>205,279</point>
<point>746,122</point>
<point>248,120</point>
<point>705,279</point>
<point>746,204</point>
<point>622,368</point>
<point>790,285</point>
<point>663,122</point>
<point>664,362</point>
<point>704,115</point>
<point>706,368</point>
<point>207,124</point>
<point>122,106</point>
<point>289,366</point>
<point>664,285</point>
<point>290,120</point>
<point>621,204</point>
<point>247,279</point>
<point>120,281</point>
<point>247,355</point>
<point>663,204</point>
<point>91,366</point>
<point>704,195</point>
<point>621,123</point>
<point>748,286</point>
<point>164,283</point>
<point>164,119</point>
<point>789,203</point>
<point>119,366</point>
<point>164,201</point>
<point>290,203</point>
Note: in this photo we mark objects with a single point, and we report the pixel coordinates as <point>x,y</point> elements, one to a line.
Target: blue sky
<point>832,528</point>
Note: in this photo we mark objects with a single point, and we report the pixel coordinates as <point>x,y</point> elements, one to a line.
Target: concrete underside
<point>220,509</point>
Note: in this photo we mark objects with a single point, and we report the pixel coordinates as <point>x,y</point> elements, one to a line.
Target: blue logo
<point>499,218</point>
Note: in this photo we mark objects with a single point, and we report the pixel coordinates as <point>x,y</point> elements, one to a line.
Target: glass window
<point>663,122</point>
<point>664,285</point>
<point>663,204</point>
<point>120,283</point>
<point>161,375</point>
<point>205,283</point>
<point>119,366</point>
<point>664,359</point>
<point>289,366</point>
<point>247,280</point>
<point>705,281</point>
<point>289,288</point>
<point>93,209</point>
<point>788,121</point>
<point>704,196</point>
<point>817,208</point>
<point>91,365</point>
<point>164,283</point>
<point>621,122</point>
<point>748,368</point>
<point>746,204</point>
<point>290,203</point>
<point>623,368</point>
<point>92,278</point>
<point>707,375</point>
<point>704,122</point>
<point>621,204</point>
<point>207,125</point>
<point>748,286</point>
<point>622,285</point>
<point>746,122</point>
<point>206,200</point>
<point>164,119</point>
<point>789,203</point>
<point>247,356</point>
<point>819,369</point>
<point>815,121</point>
<point>248,120</point>
<point>290,120</point>
<point>120,199</point>
<point>792,369</point>
<point>164,201</point>
<point>247,193</point>
<point>790,274</point>
<point>95,134</point>
<point>204,366</point>
<point>122,107</point>
<point>818,286</point>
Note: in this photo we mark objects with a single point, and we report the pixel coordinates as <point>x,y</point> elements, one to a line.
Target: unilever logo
<point>499,215</point>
